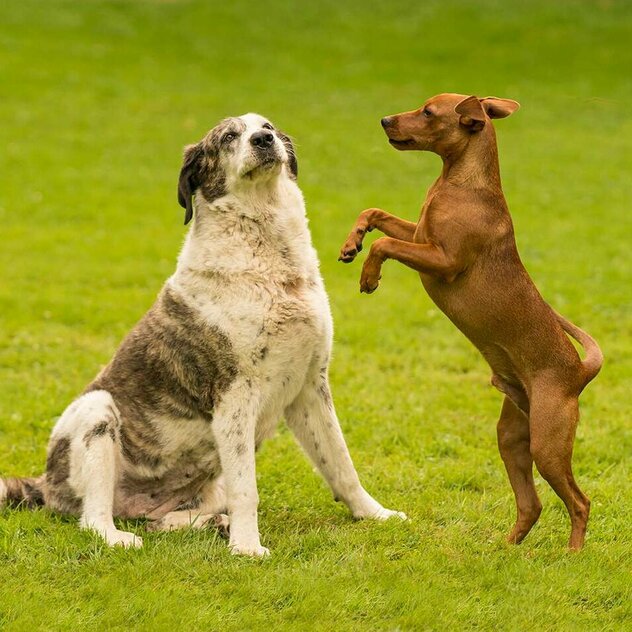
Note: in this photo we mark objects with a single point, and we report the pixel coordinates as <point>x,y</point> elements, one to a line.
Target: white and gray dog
<point>238,337</point>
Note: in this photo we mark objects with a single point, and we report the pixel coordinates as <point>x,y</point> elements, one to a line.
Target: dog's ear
<point>189,179</point>
<point>291,153</point>
<point>471,114</point>
<point>499,108</point>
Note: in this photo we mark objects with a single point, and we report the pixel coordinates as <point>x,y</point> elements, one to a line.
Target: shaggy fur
<point>239,336</point>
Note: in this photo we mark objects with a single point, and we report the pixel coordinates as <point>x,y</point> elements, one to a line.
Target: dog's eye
<point>226,138</point>
<point>427,113</point>
<point>267,126</point>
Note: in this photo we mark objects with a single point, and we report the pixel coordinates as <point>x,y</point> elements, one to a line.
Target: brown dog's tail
<point>594,357</point>
<point>25,492</point>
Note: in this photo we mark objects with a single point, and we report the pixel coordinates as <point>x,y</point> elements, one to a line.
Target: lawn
<point>97,100</point>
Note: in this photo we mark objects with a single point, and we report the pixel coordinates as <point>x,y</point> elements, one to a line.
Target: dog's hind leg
<point>513,443</point>
<point>82,466</point>
<point>189,519</point>
<point>553,421</point>
<point>207,510</point>
<point>312,418</point>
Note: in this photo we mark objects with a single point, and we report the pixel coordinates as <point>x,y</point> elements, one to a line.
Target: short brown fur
<point>463,247</point>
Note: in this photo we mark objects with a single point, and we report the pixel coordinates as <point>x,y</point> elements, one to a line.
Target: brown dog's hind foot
<point>579,522</point>
<point>524,524</point>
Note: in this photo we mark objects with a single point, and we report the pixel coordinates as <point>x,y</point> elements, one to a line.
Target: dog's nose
<point>262,139</point>
<point>386,121</point>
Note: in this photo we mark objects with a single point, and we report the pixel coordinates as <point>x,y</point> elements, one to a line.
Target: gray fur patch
<point>178,488</point>
<point>59,495</point>
<point>194,503</point>
<point>323,388</point>
<point>24,492</point>
<point>102,429</point>
<point>170,365</point>
<point>291,153</point>
<point>201,166</point>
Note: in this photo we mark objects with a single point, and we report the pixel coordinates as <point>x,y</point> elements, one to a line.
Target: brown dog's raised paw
<point>371,275</point>
<point>367,288</point>
<point>368,284</point>
<point>349,252</point>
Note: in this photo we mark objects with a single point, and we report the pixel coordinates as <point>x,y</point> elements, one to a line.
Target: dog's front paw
<point>385,514</point>
<point>370,509</point>
<point>350,249</point>
<point>250,550</point>
<point>370,277</point>
<point>124,539</point>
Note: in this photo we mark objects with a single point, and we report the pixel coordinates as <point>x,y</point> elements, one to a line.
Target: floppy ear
<point>499,108</point>
<point>291,153</point>
<point>471,114</point>
<point>189,178</point>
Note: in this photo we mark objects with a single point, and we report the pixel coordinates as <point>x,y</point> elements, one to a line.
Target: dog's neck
<point>247,229</point>
<point>474,165</point>
<point>265,201</point>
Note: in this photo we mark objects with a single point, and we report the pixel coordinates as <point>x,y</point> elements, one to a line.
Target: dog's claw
<point>124,539</point>
<point>350,249</point>
<point>347,256</point>
<point>250,551</point>
<point>365,288</point>
<point>387,514</point>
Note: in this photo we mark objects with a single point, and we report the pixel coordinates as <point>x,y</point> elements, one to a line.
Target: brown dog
<point>464,250</point>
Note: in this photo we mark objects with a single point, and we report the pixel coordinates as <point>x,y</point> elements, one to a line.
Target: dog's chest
<point>265,292</point>
<point>273,323</point>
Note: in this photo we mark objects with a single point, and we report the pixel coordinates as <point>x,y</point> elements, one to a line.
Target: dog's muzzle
<point>265,153</point>
<point>264,148</point>
<point>262,139</point>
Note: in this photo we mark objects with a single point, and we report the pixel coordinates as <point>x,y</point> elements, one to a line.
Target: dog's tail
<point>24,492</point>
<point>594,357</point>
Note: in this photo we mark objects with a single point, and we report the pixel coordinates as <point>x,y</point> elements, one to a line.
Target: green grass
<point>96,101</point>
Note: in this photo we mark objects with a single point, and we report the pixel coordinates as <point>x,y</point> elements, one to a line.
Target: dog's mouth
<point>408,142</point>
<point>265,163</point>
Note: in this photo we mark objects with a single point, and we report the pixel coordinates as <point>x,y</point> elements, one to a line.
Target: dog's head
<point>444,122</point>
<point>235,154</point>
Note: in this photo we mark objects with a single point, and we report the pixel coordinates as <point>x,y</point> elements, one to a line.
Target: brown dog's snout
<point>387,121</point>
